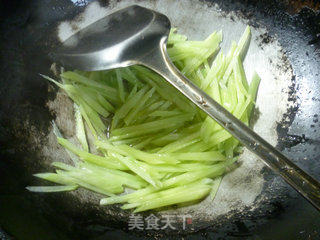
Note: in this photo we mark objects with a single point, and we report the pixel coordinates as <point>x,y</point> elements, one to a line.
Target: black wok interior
<point>27,35</point>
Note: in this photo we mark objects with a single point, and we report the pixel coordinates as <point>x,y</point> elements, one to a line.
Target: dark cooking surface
<point>25,38</point>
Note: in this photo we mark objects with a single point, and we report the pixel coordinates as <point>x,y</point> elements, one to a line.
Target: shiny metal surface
<point>121,39</point>
<point>136,35</point>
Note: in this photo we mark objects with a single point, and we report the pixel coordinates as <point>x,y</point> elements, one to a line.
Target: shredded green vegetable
<point>158,143</point>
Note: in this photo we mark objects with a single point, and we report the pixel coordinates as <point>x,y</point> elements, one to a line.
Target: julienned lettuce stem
<point>158,143</point>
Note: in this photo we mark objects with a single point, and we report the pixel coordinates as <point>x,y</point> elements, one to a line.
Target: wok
<point>286,35</point>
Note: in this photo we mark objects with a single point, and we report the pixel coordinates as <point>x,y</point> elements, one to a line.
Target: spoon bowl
<point>118,40</point>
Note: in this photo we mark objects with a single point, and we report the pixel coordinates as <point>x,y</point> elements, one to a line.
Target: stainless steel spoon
<point>136,35</point>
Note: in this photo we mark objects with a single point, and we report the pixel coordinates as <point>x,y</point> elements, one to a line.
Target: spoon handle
<point>306,185</point>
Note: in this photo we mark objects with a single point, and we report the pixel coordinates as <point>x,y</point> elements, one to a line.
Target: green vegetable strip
<point>123,174</point>
<point>53,177</point>
<point>220,136</point>
<point>213,71</point>
<point>175,38</point>
<point>134,166</point>
<point>65,143</point>
<point>225,100</point>
<point>215,186</point>
<point>232,92</point>
<point>151,127</point>
<point>253,89</point>
<point>170,193</point>
<point>239,76</point>
<point>111,92</point>
<point>86,118</point>
<point>64,166</point>
<point>52,80</point>
<point>163,140</point>
<point>244,43</point>
<point>180,194</point>
<point>181,143</point>
<point>106,162</point>
<point>95,75</point>
<point>207,129</point>
<point>189,167</point>
<point>142,144</point>
<point>228,67</point>
<point>80,131</point>
<point>242,108</point>
<point>126,107</point>
<point>89,157</point>
<point>164,106</point>
<point>94,118</point>
<point>200,146</point>
<point>180,168</point>
<point>142,115</point>
<point>57,133</point>
<point>91,100</point>
<point>133,92</point>
<point>164,114</point>
<point>97,179</point>
<point>229,147</point>
<point>112,176</point>
<point>122,93</point>
<point>130,117</point>
<point>127,197</point>
<point>148,157</point>
<point>213,40</point>
<point>214,171</point>
<point>52,188</point>
<point>149,141</point>
<point>165,90</point>
<point>128,75</point>
<point>129,141</point>
<point>199,156</point>
<point>182,179</point>
<point>86,185</point>
<point>135,153</point>
<point>104,103</point>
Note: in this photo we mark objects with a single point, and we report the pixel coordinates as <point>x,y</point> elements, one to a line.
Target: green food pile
<point>148,136</point>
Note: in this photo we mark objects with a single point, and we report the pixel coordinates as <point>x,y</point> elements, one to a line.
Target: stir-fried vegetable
<point>158,143</point>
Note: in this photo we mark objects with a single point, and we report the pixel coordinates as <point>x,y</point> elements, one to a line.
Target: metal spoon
<point>137,35</point>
